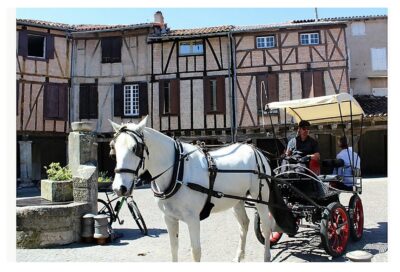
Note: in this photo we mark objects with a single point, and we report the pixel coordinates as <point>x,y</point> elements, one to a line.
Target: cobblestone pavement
<point>219,237</point>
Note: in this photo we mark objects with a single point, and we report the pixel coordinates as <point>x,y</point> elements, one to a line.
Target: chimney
<point>159,19</point>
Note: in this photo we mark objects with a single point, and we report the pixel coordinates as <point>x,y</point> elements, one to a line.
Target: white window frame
<point>193,47</point>
<point>131,100</point>
<point>44,46</point>
<point>308,37</point>
<point>265,41</point>
<point>379,59</point>
<point>358,29</point>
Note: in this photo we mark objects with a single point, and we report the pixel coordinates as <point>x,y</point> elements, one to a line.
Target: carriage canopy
<point>323,109</point>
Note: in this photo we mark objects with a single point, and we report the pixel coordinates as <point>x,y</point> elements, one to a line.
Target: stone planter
<point>57,191</point>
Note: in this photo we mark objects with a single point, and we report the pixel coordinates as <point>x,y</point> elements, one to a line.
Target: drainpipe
<point>232,86</point>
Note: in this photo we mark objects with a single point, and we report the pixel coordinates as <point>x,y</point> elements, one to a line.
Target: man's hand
<point>305,159</point>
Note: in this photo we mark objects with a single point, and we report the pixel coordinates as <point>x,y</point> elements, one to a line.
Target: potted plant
<point>104,181</point>
<point>58,185</point>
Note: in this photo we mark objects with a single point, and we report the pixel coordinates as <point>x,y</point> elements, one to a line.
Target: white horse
<point>186,204</point>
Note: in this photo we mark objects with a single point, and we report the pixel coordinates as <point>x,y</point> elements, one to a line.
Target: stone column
<point>25,149</point>
<point>82,160</point>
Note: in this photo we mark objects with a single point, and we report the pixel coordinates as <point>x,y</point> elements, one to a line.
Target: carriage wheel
<point>356,217</point>
<point>335,229</point>
<point>273,238</point>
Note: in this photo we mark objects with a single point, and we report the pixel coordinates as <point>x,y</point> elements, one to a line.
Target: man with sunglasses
<point>304,144</point>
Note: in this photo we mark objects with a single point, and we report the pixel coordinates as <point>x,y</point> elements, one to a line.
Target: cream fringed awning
<point>323,109</point>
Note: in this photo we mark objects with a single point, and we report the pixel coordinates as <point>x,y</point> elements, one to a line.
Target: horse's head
<point>129,149</point>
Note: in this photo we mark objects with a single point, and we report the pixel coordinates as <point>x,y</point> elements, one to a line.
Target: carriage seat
<point>329,178</point>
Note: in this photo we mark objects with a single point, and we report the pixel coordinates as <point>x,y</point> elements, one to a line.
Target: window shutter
<point>84,101</point>
<point>116,49</point>
<point>106,50</point>
<point>63,102</point>
<point>118,100</point>
<point>51,98</point>
<point>261,91</point>
<point>49,47</point>
<point>207,97</point>
<point>23,43</point>
<point>93,102</point>
<point>318,82</point>
<point>175,97</point>
<point>221,94</point>
<point>306,81</point>
<point>273,87</point>
<point>143,98</point>
<point>161,96</point>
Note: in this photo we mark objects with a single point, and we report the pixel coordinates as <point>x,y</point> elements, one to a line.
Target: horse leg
<point>243,220</point>
<point>266,229</point>
<point>194,232</point>
<point>173,231</point>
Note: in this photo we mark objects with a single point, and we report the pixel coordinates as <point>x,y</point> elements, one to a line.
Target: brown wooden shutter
<point>306,81</point>
<point>221,94</point>
<point>49,47</point>
<point>63,102</point>
<point>319,86</point>
<point>50,101</point>
<point>161,96</point>
<point>116,49</point>
<point>261,92</point>
<point>175,97</point>
<point>143,99</point>
<point>273,87</point>
<point>106,50</point>
<point>207,96</point>
<point>93,102</point>
<point>84,101</point>
<point>118,100</point>
<point>23,43</point>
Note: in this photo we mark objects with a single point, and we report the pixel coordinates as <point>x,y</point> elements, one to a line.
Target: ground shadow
<point>306,245</point>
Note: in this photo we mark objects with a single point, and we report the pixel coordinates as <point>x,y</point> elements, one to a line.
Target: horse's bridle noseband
<point>138,151</point>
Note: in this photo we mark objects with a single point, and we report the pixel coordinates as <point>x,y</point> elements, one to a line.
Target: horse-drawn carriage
<point>313,199</point>
<point>190,182</point>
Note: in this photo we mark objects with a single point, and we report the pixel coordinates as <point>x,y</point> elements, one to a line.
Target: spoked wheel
<point>356,218</point>
<point>137,216</point>
<point>104,208</point>
<point>273,238</point>
<point>335,229</point>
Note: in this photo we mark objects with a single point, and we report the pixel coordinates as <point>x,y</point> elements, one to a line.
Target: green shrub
<point>58,173</point>
<point>103,177</point>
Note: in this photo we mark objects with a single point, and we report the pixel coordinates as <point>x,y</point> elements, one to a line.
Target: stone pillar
<point>82,160</point>
<point>25,149</point>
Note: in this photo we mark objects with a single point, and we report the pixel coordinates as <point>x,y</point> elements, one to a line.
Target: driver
<point>304,143</point>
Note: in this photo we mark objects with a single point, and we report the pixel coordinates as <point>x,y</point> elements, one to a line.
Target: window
<point>214,95</point>
<point>55,101</point>
<point>358,28</point>
<point>169,97</point>
<point>379,61</point>
<point>131,100</point>
<point>88,101</point>
<point>188,48</point>
<point>111,49</point>
<point>309,38</point>
<point>265,42</point>
<point>267,90</point>
<point>36,45</point>
<point>312,84</point>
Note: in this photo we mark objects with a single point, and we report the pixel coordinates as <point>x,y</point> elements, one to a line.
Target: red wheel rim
<point>338,230</point>
<point>274,237</point>
<point>358,217</point>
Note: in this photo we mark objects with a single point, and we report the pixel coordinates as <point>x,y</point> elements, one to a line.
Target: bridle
<point>139,150</point>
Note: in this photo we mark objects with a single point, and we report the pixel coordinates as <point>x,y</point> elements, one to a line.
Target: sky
<point>178,18</point>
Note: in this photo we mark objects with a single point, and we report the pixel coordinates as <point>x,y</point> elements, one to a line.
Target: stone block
<point>56,191</point>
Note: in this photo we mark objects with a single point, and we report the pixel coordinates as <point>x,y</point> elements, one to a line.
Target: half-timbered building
<point>43,78</point>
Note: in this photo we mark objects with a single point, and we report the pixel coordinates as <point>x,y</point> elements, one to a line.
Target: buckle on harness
<point>219,194</point>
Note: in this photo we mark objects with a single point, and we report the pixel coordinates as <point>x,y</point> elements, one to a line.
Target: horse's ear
<point>142,123</point>
<point>115,126</point>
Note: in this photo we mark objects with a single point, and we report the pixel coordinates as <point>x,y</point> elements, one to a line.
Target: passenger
<point>304,143</point>
<point>346,154</point>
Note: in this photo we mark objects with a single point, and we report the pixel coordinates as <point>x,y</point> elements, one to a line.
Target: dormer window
<point>189,48</point>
